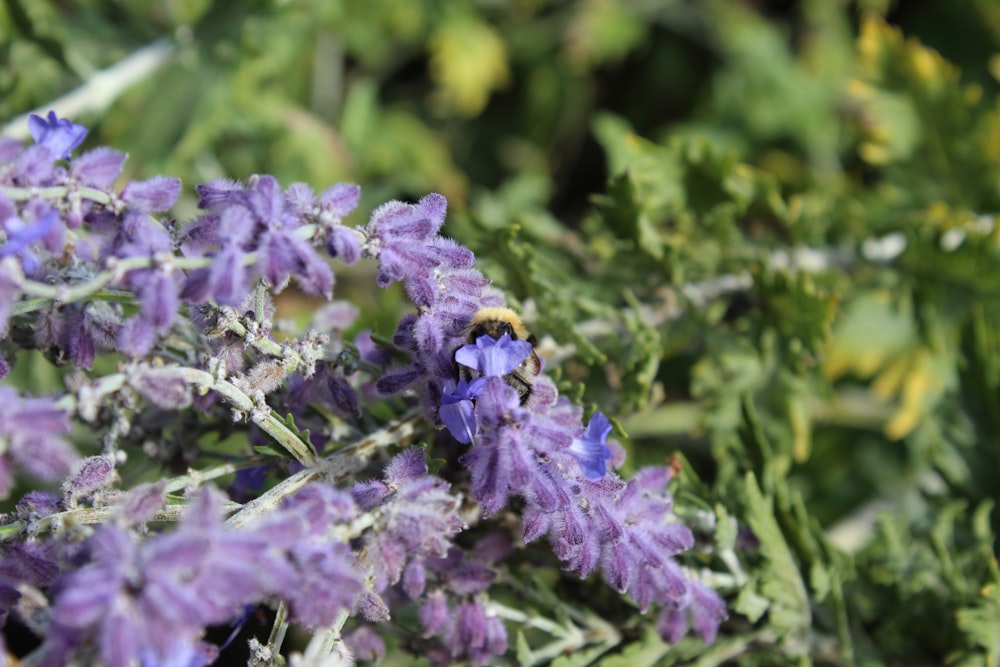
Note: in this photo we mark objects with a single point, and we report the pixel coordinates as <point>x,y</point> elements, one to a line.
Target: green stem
<point>332,634</point>
<point>334,468</point>
<point>279,629</point>
<point>197,478</point>
<point>260,343</point>
<point>58,192</point>
<point>93,515</point>
<point>341,464</point>
<point>203,380</point>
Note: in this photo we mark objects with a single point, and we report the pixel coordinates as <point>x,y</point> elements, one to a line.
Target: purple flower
<point>34,430</point>
<point>152,196</point>
<point>339,200</point>
<point>260,218</point>
<point>36,504</point>
<point>335,316</point>
<point>135,338</point>
<point>537,452</point>
<point>159,299</point>
<point>95,472</point>
<point>57,134</point>
<point>226,281</point>
<point>130,609</point>
<point>29,563</point>
<point>151,601</point>
<point>457,409</point>
<point>335,204</point>
<point>503,458</point>
<point>365,644</point>
<point>463,573</point>
<point>142,503</point>
<point>417,517</point>
<point>396,379</point>
<point>592,451</point>
<point>20,235</point>
<point>98,168</point>
<point>468,632</point>
<point>494,357</point>
<point>164,387</point>
<point>281,255</point>
<point>705,612</point>
<point>401,235</point>
<point>10,148</point>
<point>343,243</point>
<point>324,580</point>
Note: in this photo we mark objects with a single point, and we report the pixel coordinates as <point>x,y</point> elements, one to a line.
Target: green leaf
<point>580,658</point>
<point>523,650</point>
<point>646,651</point>
<point>272,450</point>
<point>779,580</point>
<point>797,308</point>
<point>751,604</point>
<point>981,623</point>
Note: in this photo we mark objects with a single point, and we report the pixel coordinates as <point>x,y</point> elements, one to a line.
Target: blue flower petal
<point>57,134</point>
<point>591,451</point>
<point>494,357</point>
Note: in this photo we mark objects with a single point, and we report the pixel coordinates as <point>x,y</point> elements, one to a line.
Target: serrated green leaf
<point>799,309</point>
<point>819,580</point>
<point>727,529</point>
<point>981,623</point>
<point>288,421</point>
<point>750,604</point>
<point>780,581</point>
<point>621,212</point>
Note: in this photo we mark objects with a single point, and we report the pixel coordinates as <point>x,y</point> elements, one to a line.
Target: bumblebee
<point>495,322</point>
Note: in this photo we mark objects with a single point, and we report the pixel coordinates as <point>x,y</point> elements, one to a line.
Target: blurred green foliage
<point>762,234</point>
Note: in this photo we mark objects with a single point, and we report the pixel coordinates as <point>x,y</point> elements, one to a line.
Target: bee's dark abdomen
<point>523,387</point>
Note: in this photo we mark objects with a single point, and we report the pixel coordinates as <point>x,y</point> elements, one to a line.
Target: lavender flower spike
<point>537,452</point>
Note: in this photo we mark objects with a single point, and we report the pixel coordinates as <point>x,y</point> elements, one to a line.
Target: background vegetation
<point>763,235</point>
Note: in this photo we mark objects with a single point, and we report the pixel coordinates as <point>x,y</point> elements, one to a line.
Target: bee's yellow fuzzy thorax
<point>498,314</point>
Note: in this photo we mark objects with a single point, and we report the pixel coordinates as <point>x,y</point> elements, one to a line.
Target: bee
<point>495,322</point>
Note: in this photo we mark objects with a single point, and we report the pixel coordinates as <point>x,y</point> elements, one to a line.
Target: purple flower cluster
<point>122,600</point>
<point>539,452</point>
<point>410,548</point>
<point>79,230</point>
<point>84,228</point>
<point>455,609</point>
<point>262,219</point>
<point>33,431</point>
<point>121,594</point>
<point>150,601</point>
<point>418,517</point>
<point>437,275</point>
